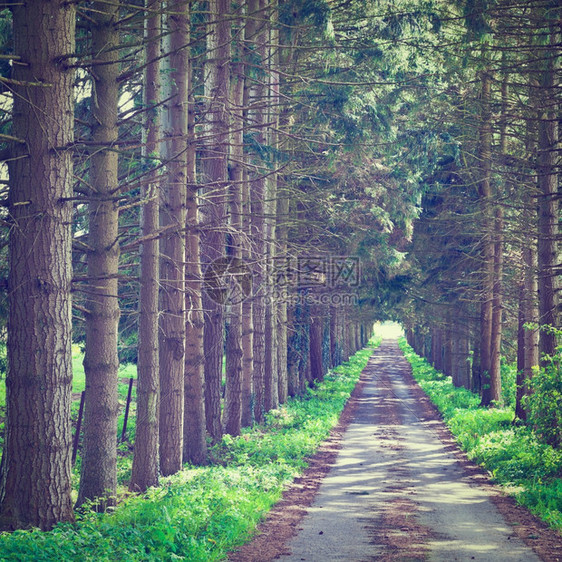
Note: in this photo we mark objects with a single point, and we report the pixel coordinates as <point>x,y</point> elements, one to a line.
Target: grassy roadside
<point>203,512</point>
<point>529,470</point>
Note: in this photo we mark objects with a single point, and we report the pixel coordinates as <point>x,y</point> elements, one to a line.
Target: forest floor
<point>391,484</point>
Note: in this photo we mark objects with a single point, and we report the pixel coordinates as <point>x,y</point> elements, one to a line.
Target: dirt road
<point>397,489</point>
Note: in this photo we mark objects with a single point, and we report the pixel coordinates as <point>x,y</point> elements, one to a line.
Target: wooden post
<point>127,409</point>
<point>78,427</point>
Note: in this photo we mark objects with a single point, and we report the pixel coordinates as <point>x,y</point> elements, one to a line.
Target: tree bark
<point>247,328</point>
<point>247,305</point>
<point>316,364</point>
<point>146,465</point>
<point>247,364</point>
<point>172,244</point>
<point>487,255</point>
<point>547,176</point>
<point>256,36</point>
<point>234,351</point>
<point>194,422</point>
<point>528,338</point>
<point>333,337</point>
<point>448,347</point>
<point>437,349</point>
<point>292,351</point>
<point>463,360</point>
<point>497,310</point>
<point>270,207</point>
<point>35,482</point>
<point>101,363</point>
<point>216,178</point>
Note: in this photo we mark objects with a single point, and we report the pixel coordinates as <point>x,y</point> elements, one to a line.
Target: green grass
<point>203,512</point>
<point>127,370</point>
<point>512,454</point>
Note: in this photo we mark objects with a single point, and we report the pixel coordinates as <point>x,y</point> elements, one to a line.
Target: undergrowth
<point>203,512</point>
<point>512,454</point>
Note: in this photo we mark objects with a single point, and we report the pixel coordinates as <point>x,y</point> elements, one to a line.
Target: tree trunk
<point>333,337</point>
<point>258,312</point>
<point>272,302</point>
<point>271,375</point>
<point>247,304</point>
<point>146,465</point>
<point>234,351</point>
<point>344,331</point>
<point>547,175</point>
<point>487,255</point>
<point>282,360</point>
<point>35,475</point>
<point>528,338</point>
<point>520,412</point>
<point>216,178</point>
<point>316,365</point>
<point>101,362</point>
<point>497,308</point>
<point>437,349</point>
<point>292,356</point>
<point>476,371</point>
<point>464,363</point>
<point>194,421</point>
<point>172,245</point>
<point>247,360</point>
<point>531,315</point>
<point>448,347</point>
<point>256,36</point>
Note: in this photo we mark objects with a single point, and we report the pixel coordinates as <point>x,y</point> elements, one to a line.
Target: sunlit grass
<point>127,370</point>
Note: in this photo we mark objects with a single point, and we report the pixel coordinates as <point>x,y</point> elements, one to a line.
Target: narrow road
<point>396,490</point>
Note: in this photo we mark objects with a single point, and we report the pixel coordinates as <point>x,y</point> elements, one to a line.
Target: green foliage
<point>197,515</point>
<point>203,512</point>
<point>513,455</point>
<point>128,347</point>
<point>439,387</point>
<point>545,500</point>
<point>475,17</point>
<point>545,404</point>
<point>316,12</point>
<point>509,384</point>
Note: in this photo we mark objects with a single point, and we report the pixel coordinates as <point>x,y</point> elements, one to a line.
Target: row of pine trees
<point>151,193</point>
